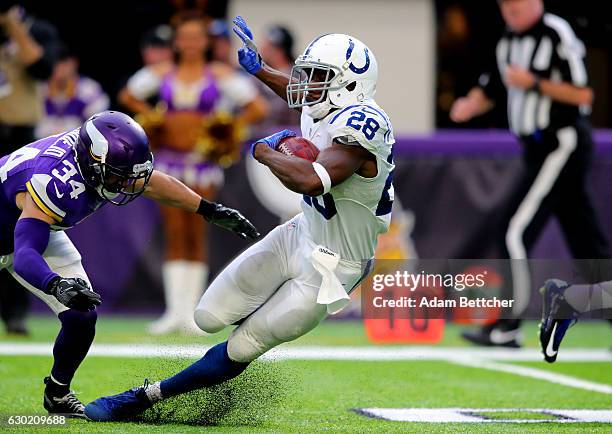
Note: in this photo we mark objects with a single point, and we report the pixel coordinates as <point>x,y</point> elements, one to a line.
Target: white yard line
<point>538,374</point>
<point>473,357</point>
<point>478,415</point>
<point>308,352</point>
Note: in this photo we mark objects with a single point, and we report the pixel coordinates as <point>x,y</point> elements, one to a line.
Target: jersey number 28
<point>368,128</point>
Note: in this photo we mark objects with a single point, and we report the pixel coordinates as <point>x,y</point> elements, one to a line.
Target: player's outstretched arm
<point>31,240</point>
<point>170,191</point>
<point>336,164</point>
<point>275,80</point>
<point>251,61</point>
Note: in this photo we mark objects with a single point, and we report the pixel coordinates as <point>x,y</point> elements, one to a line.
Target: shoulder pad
<point>365,124</point>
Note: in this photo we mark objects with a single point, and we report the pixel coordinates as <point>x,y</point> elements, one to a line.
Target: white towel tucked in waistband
<point>331,293</point>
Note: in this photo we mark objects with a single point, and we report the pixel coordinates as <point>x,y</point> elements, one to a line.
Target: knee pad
<point>207,321</point>
<point>260,332</point>
<point>243,347</point>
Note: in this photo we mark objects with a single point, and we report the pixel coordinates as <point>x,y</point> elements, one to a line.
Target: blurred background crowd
<point>172,64</point>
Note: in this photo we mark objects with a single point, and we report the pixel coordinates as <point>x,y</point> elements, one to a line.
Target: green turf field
<point>123,329</point>
<point>314,395</point>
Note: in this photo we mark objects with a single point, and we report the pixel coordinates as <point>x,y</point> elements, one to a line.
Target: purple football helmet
<point>114,157</point>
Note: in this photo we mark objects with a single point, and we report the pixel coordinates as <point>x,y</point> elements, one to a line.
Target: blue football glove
<point>248,56</point>
<point>273,140</point>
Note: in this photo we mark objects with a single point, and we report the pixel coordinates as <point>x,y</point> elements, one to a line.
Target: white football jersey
<point>350,217</point>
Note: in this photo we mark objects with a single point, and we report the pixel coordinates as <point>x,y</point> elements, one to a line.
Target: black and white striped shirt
<point>550,50</point>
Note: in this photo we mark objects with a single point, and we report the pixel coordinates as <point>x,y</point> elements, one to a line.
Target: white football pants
<point>62,257</point>
<point>274,285</point>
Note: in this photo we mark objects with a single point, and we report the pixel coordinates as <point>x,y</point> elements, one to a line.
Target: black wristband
<point>206,208</point>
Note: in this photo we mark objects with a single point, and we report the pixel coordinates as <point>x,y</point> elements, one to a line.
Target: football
<point>298,147</point>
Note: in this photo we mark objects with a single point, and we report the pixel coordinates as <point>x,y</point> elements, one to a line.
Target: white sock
<point>175,276</point>
<point>153,392</point>
<point>196,278</point>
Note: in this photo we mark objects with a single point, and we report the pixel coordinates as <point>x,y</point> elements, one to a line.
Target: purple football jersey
<point>48,171</point>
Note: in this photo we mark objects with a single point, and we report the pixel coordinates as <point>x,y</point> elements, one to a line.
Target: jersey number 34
<point>26,153</point>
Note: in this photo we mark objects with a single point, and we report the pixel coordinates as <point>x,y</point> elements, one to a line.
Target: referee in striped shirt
<point>540,65</point>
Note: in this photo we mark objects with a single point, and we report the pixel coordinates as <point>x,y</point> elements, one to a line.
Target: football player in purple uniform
<point>53,184</point>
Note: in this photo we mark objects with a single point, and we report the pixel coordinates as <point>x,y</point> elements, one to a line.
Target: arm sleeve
<point>490,81</point>
<point>46,36</point>
<point>31,240</point>
<point>491,85</point>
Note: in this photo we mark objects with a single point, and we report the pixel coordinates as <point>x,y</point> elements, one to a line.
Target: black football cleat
<point>67,405</point>
<point>557,317</point>
<point>503,333</point>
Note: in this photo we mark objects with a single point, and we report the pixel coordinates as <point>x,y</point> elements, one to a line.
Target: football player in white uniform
<point>283,286</point>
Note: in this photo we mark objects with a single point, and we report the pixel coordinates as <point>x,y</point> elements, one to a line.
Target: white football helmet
<point>334,71</point>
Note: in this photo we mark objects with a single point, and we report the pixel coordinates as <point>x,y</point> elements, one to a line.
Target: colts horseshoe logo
<point>352,67</point>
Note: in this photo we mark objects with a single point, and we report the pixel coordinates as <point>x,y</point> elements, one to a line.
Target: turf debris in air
<point>247,400</point>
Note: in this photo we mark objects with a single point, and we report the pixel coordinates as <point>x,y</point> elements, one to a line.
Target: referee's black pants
<point>553,183</point>
<point>14,301</point>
